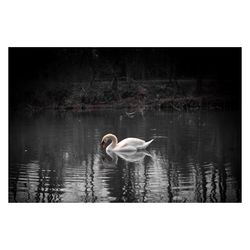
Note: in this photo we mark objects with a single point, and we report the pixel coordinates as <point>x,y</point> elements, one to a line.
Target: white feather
<point>128,144</point>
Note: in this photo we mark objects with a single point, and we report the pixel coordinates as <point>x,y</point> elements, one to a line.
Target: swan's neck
<point>114,141</point>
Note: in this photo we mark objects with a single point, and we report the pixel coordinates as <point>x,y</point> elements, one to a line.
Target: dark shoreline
<point>175,105</point>
<point>136,96</point>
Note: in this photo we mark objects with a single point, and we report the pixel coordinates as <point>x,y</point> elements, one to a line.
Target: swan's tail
<point>146,144</point>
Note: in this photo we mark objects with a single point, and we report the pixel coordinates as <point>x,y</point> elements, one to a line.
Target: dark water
<point>56,157</point>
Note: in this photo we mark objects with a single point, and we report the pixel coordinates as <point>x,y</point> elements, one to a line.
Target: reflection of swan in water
<point>130,156</point>
<point>109,160</point>
<point>128,144</point>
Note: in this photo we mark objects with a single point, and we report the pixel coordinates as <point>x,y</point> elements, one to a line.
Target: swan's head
<point>106,138</point>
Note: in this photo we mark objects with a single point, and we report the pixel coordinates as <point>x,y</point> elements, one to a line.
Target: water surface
<point>56,157</point>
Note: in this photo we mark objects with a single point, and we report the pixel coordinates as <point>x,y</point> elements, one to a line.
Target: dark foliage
<point>52,77</point>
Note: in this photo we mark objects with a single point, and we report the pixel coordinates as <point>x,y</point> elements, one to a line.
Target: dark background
<point>49,72</point>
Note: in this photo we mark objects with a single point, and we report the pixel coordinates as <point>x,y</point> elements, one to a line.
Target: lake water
<point>56,157</point>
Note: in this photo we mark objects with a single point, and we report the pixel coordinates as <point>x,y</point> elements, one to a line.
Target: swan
<point>128,144</point>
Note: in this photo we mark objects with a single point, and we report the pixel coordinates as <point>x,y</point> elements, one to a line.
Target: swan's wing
<point>134,142</point>
<point>125,148</point>
<point>129,144</point>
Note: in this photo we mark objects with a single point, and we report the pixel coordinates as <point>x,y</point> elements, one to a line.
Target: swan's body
<point>128,144</point>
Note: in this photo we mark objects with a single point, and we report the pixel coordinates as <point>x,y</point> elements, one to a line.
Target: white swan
<point>128,144</point>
